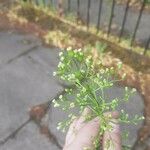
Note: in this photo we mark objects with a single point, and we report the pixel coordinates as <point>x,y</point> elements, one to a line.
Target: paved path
<point>26,80</point>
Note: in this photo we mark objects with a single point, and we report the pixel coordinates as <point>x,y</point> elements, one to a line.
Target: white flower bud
<point>54,73</point>
<point>61,53</point>
<point>69,48</point>
<point>72,105</point>
<point>60,96</point>
<point>62,58</point>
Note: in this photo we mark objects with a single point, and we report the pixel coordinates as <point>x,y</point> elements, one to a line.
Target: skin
<point>81,134</point>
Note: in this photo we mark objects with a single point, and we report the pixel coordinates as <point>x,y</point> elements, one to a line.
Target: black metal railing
<point>124,19</point>
<point>99,15</point>
<point>125,14</point>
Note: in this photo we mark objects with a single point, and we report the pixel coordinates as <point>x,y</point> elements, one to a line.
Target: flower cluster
<point>90,85</point>
<point>73,65</point>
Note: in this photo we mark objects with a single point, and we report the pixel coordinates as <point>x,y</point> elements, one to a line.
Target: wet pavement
<point>26,80</point>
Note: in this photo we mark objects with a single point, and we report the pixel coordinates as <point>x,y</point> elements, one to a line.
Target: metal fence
<point>61,9</point>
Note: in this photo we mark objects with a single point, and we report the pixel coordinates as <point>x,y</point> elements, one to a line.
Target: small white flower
<point>82,71</point>
<point>81,54</point>
<point>70,115</point>
<point>60,97</point>
<point>56,104</point>
<point>63,130</point>
<point>66,90</point>
<point>92,66</point>
<point>73,117</point>
<point>119,64</point>
<point>60,123</point>
<point>84,89</point>
<point>62,58</point>
<point>124,75</point>
<point>126,88</point>
<point>98,75</point>
<point>61,65</point>
<point>72,105</point>
<point>87,59</point>
<point>75,50</point>
<point>62,77</point>
<point>78,95</point>
<point>69,48</point>
<point>53,101</point>
<point>54,73</point>
<point>122,111</point>
<point>112,68</point>
<point>142,117</point>
<point>61,53</point>
<point>133,90</point>
<point>58,127</point>
<point>102,71</point>
<point>79,50</point>
<point>71,76</point>
<point>107,69</point>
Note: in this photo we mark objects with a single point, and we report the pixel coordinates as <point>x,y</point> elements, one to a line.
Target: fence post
<point>138,22</point>
<point>146,46</point>
<point>37,2</point>
<point>44,3</point>
<point>69,5</point>
<point>124,19</point>
<point>60,8</point>
<point>88,13</point>
<point>78,10</point>
<point>111,18</point>
<point>28,1</point>
<point>99,15</point>
<point>51,1</point>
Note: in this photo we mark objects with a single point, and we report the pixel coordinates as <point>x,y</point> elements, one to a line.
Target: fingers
<point>71,133</point>
<point>112,138</point>
<point>76,126</point>
<point>87,134</point>
<point>81,121</point>
<point>84,132</point>
<point>91,129</point>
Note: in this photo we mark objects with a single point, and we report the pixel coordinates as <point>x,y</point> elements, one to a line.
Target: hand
<point>81,134</point>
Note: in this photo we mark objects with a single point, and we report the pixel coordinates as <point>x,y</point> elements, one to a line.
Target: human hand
<point>81,134</point>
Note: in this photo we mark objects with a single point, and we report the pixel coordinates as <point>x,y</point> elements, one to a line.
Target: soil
<point>136,67</point>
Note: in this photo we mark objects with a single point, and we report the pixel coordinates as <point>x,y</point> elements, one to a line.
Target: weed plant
<point>78,70</point>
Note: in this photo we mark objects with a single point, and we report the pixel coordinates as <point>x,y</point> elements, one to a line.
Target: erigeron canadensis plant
<point>88,90</point>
